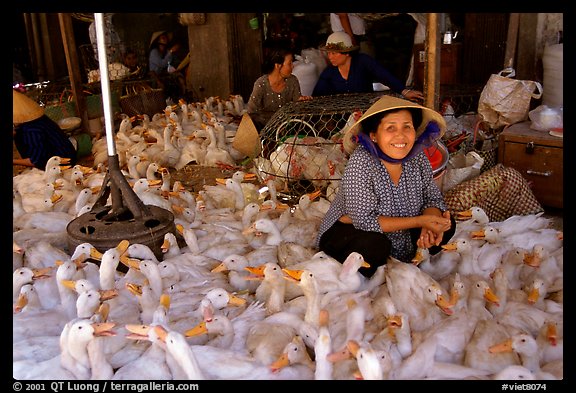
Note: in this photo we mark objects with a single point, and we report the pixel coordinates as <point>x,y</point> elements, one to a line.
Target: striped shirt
<point>41,139</point>
<point>367,191</point>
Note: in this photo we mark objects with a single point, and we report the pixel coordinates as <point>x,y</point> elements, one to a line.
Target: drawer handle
<point>531,172</point>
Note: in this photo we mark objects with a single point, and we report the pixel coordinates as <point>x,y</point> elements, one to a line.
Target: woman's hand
<point>412,94</point>
<point>433,228</point>
<point>345,219</point>
<point>428,239</point>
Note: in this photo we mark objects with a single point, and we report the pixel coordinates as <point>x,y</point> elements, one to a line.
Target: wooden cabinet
<point>450,70</point>
<point>539,157</point>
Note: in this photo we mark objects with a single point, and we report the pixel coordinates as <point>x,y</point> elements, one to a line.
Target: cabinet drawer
<point>540,165</point>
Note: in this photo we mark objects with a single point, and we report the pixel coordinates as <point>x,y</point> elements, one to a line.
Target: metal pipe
<point>105,83</point>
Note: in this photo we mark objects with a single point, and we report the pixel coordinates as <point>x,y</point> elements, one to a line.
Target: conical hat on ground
<point>247,140</point>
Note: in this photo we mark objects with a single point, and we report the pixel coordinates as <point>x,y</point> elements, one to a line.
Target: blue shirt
<point>42,139</point>
<point>367,191</point>
<point>157,62</point>
<point>364,71</point>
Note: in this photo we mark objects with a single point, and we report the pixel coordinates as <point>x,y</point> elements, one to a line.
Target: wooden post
<point>71,53</point>
<point>511,41</point>
<point>432,65</point>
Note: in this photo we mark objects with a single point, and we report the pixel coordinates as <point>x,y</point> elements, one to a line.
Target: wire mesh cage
<point>55,96</point>
<point>58,101</point>
<point>459,107</point>
<point>117,69</point>
<point>302,143</point>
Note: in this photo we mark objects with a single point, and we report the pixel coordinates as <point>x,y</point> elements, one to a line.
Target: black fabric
<point>342,239</point>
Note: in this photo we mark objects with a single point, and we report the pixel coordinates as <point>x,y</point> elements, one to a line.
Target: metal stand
<point>128,218</point>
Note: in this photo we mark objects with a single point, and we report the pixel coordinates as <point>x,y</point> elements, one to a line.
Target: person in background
<point>354,72</point>
<point>161,54</point>
<point>277,87</point>
<point>114,45</point>
<point>388,203</point>
<point>355,27</point>
<point>131,60</point>
<point>37,137</point>
<point>135,71</point>
<point>162,65</point>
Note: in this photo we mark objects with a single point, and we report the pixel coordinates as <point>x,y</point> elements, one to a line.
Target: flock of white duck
<point>241,292</point>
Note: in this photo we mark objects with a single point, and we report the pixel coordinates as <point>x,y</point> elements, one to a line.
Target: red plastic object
<point>434,156</point>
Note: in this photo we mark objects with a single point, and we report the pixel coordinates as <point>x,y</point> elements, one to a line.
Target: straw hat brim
<point>247,140</point>
<point>155,36</point>
<point>347,50</point>
<point>386,103</point>
<point>24,108</point>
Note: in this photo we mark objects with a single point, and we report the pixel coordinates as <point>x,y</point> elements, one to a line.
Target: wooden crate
<point>539,157</point>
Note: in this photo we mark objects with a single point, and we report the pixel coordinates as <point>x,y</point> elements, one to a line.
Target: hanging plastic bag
<point>505,100</point>
<point>461,167</point>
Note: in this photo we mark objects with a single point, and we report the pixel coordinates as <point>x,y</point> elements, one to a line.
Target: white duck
<point>551,341</point>
<point>453,334</point>
<point>293,355</point>
<point>477,354</point>
<point>437,266</point>
<point>228,196</point>
<point>170,155</point>
<point>150,196</point>
<point>226,332</point>
<point>250,190</point>
<point>234,265</point>
<point>191,151</point>
<point>152,363</point>
<point>417,294</point>
<point>215,155</point>
<point>514,373</point>
<point>468,264</point>
<point>273,289</point>
<point>43,254</point>
<point>527,347</point>
<point>74,360</point>
<point>368,360</point>
<point>204,362</point>
<point>30,319</point>
<point>78,357</point>
<point>322,348</point>
<point>33,180</point>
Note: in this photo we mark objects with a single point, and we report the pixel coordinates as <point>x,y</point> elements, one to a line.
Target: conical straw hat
<point>247,140</point>
<point>157,34</point>
<point>386,103</point>
<point>24,108</point>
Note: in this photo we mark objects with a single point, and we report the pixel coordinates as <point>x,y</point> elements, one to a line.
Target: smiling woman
<point>387,195</point>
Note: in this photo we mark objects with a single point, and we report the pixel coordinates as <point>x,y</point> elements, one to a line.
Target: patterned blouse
<point>366,192</point>
<point>264,101</point>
